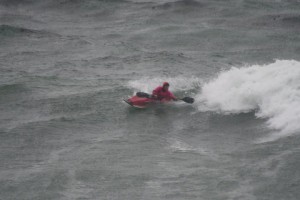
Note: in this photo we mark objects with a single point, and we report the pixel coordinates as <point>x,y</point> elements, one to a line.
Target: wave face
<point>272,91</point>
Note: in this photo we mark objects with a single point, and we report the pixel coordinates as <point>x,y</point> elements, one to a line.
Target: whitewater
<point>271,91</point>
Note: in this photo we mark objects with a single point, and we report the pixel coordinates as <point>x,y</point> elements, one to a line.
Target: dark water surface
<point>66,65</point>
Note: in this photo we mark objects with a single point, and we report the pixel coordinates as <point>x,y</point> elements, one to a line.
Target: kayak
<point>142,102</point>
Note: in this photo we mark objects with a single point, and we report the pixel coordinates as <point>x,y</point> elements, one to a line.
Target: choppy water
<point>66,65</point>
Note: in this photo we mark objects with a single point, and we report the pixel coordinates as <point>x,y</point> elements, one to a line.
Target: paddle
<point>146,95</point>
<point>188,99</point>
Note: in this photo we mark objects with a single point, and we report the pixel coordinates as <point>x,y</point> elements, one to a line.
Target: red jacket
<point>163,95</point>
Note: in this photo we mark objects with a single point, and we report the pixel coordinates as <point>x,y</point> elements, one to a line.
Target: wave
<point>15,2</point>
<point>292,21</point>
<point>179,4</point>
<point>272,91</point>
<point>279,20</point>
<point>8,31</point>
<point>87,2</point>
<point>87,5</point>
<point>12,88</point>
<point>26,2</point>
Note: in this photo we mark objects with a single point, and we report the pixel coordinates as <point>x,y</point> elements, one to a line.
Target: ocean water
<point>66,65</point>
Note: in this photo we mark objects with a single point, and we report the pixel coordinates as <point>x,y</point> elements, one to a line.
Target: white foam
<point>272,91</point>
<point>180,146</point>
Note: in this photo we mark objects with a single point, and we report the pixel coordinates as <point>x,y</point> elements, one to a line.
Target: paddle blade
<point>188,99</point>
<point>143,94</point>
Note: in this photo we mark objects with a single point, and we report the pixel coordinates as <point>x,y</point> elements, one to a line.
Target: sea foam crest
<point>272,91</point>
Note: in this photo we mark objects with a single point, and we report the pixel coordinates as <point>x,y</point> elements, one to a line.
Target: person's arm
<point>172,96</point>
<point>155,92</point>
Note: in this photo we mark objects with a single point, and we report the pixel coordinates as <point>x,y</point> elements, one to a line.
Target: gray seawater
<point>65,133</point>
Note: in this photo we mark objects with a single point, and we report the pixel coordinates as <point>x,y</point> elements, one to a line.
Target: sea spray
<point>272,91</point>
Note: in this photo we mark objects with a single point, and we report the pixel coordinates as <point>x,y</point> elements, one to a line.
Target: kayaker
<point>163,93</point>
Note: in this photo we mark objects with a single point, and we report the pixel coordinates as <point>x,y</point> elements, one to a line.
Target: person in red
<point>162,93</point>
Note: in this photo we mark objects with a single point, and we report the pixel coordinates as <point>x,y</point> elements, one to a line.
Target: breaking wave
<point>272,91</point>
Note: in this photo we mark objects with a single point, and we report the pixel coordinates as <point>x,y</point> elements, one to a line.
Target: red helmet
<point>166,84</point>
